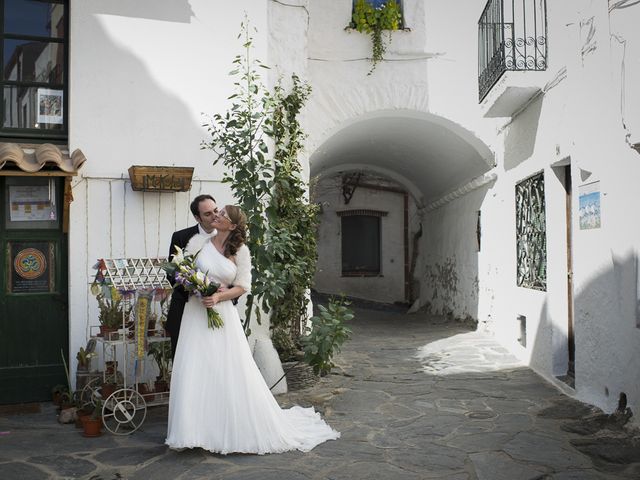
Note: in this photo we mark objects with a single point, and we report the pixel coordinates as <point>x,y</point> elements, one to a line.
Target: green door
<point>34,321</point>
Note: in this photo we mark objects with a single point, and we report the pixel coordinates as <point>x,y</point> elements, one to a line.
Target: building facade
<point>481,170</point>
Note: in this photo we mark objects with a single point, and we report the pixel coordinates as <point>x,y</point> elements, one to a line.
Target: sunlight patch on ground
<point>471,352</point>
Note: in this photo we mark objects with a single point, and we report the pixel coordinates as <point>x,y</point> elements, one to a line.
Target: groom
<point>204,210</point>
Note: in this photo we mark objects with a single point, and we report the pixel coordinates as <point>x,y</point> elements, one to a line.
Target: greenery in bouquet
<point>182,268</point>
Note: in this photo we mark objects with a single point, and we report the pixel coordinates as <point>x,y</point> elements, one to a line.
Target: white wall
<point>141,76</point>
<point>579,119</point>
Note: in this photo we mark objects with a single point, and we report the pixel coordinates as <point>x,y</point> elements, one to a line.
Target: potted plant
<point>58,393</point>
<point>111,311</point>
<point>84,357</point>
<point>161,353</point>
<point>327,335</point>
<point>92,424</point>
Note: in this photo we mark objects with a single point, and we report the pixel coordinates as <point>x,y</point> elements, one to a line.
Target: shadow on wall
<point>153,119</point>
<point>607,332</point>
<point>521,135</point>
<point>156,121</point>
<point>178,11</point>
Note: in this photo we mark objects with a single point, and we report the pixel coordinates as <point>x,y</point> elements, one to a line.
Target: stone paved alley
<point>415,397</point>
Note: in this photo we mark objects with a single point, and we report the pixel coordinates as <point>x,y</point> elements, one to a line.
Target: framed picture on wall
<point>50,106</point>
<point>589,200</point>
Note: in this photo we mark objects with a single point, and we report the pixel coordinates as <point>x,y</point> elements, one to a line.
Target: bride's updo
<point>238,236</point>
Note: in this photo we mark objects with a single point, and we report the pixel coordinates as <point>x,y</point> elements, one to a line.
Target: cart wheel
<point>124,411</point>
<point>91,392</point>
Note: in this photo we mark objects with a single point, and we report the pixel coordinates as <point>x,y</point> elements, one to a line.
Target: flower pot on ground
<point>92,424</point>
<point>81,414</point>
<point>57,394</point>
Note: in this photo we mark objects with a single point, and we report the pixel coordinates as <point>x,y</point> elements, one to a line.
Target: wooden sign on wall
<point>160,179</point>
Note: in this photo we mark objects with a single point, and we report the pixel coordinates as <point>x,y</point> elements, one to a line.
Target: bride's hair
<point>238,236</point>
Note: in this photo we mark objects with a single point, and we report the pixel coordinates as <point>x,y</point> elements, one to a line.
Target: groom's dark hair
<point>195,204</point>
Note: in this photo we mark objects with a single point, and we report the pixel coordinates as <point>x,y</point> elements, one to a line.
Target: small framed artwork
<point>589,200</point>
<point>50,106</point>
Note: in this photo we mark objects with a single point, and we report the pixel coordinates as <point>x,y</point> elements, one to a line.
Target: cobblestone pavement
<point>415,397</point>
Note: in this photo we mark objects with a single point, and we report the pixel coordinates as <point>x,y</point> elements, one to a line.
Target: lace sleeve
<point>243,275</point>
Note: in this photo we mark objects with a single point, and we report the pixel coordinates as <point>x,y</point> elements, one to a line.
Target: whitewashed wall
<point>581,119</point>
<point>137,97</point>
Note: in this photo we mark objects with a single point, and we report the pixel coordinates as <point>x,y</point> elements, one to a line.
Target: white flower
<point>200,277</point>
<point>178,258</point>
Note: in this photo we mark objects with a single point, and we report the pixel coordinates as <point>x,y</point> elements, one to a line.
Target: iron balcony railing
<point>512,36</point>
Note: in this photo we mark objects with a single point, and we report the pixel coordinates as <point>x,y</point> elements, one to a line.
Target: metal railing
<point>512,35</point>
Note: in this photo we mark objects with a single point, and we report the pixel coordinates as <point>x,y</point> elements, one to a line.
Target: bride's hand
<point>210,301</point>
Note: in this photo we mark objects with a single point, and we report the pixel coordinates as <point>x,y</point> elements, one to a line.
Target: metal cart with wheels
<point>141,288</point>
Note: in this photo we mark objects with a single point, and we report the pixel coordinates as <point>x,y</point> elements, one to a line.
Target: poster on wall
<point>50,106</point>
<point>30,203</point>
<point>589,199</point>
<point>31,267</point>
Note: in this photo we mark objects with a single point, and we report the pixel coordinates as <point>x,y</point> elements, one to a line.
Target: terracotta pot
<point>106,331</point>
<point>143,390</point>
<point>80,416</point>
<point>91,426</point>
<point>161,386</point>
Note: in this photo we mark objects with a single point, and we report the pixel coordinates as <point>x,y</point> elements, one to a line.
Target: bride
<point>219,400</point>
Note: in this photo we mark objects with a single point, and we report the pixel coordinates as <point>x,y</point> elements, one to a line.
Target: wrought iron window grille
<point>531,233</point>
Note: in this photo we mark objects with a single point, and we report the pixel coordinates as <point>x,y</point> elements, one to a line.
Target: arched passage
<point>373,178</point>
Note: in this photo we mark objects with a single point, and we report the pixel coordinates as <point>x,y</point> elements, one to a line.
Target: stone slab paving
<point>414,396</point>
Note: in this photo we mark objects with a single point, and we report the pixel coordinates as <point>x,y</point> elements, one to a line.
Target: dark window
<point>375,3</point>
<point>34,69</point>
<point>361,245</point>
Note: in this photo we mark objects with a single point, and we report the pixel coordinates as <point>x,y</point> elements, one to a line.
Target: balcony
<point>512,46</point>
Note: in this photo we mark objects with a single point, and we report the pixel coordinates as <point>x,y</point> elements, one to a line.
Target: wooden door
<point>34,322</point>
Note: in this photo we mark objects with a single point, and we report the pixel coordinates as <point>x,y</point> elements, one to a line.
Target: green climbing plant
<point>270,188</point>
<point>374,21</point>
<point>294,221</point>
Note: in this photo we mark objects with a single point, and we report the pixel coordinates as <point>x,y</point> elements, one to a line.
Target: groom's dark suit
<point>179,297</point>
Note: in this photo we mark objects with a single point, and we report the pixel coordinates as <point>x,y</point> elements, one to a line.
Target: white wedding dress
<point>219,400</point>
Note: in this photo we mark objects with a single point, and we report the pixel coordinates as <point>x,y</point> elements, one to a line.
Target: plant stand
<point>139,282</point>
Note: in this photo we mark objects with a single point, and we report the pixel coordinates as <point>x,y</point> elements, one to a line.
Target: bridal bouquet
<point>184,270</point>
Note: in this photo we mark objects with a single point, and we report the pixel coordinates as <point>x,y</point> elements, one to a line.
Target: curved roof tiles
<point>33,158</point>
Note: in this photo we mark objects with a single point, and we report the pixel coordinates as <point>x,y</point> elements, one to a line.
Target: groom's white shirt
<point>201,231</point>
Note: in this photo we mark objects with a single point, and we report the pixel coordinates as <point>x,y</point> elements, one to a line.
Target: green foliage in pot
<point>328,333</point>
<point>373,21</point>
<point>161,353</point>
<point>110,311</point>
